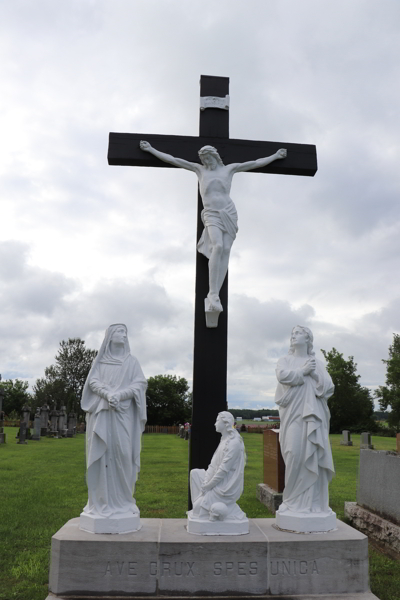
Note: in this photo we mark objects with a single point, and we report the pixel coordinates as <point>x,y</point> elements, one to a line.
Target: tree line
<point>169,400</point>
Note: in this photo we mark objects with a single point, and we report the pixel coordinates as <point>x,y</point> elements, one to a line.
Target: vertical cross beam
<point>210,345</point>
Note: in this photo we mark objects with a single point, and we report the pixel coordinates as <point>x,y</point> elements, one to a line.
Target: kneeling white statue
<point>215,492</point>
<point>115,404</point>
<point>304,387</point>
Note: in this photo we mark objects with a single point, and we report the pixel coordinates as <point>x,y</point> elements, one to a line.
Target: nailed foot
<point>215,303</point>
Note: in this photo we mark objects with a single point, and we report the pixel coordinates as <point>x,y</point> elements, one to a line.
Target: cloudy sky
<point>83,244</point>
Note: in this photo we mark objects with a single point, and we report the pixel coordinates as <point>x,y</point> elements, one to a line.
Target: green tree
<point>389,394</point>
<point>52,390</point>
<point>169,401</point>
<point>64,381</point>
<point>15,396</point>
<point>351,405</point>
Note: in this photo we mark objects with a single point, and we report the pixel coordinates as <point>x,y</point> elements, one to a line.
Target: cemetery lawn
<point>43,486</point>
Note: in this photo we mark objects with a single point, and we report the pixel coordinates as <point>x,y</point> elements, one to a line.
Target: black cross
<point>210,345</point>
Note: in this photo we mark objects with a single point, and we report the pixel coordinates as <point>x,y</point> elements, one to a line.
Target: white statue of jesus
<point>219,214</point>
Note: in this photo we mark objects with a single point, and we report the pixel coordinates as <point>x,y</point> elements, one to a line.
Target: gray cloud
<point>84,244</point>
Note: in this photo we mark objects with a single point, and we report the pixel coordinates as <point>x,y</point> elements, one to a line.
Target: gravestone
<point>366,441</point>
<point>2,434</point>
<point>22,433</point>
<point>346,440</point>
<point>270,491</point>
<point>377,510</point>
<point>71,431</point>
<point>37,426</point>
<point>44,414</point>
<point>25,417</point>
<point>62,422</point>
<point>53,423</point>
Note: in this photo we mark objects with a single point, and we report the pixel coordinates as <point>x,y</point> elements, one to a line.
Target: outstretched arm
<point>177,162</point>
<point>260,162</point>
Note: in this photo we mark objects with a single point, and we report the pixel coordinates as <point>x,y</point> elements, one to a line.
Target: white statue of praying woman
<point>304,387</point>
<point>215,492</point>
<point>115,404</point>
<point>219,215</point>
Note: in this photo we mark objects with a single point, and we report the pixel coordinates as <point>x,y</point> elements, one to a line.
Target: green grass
<point>43,486</point>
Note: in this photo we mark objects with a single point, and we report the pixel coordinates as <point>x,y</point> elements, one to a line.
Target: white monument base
<point>163,559</point>
<point>124,523</point>
<point>226,527</point>
<point>306,522</point>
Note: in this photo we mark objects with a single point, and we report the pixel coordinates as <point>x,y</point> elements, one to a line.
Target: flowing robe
<point>113,436</point>
<point>227,465</point>
<point>304,435</point>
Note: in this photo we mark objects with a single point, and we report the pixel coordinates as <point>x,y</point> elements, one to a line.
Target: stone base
<point>226,527</point>
<point>306,522</point>
<point>346,443</point>
<point>3,438</point>
<point>125,523</point>
<point>367,446</point>
<point>386,533</point>
<point>163,559</point>
<point>364,596</point>
<point>36,438</point>
<point>269,497</point>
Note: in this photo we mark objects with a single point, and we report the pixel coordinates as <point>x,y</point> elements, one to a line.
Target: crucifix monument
<point>164,558</point>
<point>210,341</point>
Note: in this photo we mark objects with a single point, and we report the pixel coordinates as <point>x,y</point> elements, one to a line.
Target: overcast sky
<point>84,245</point>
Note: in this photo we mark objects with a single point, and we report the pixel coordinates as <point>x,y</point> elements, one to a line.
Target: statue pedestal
<point>226,527</point>
<point>306,522</point>
<point>124,523</point>
<point>163,559</point>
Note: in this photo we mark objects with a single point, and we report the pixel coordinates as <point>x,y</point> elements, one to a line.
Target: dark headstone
<point>274,467</point>
<point>72,419</point>
<point>62,422</point>
<point>22,433</point>
<point>2,434</point>
<point>54,423</point>
<point>44,414</point>
<point>37,422</point>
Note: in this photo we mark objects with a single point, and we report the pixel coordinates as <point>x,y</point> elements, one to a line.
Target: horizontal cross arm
<point>124,150</point>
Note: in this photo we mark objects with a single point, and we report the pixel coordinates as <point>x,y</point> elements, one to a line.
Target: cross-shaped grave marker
<point>210,343</point>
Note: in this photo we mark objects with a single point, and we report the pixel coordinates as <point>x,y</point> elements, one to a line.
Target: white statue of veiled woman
<point>304,387</point>
<point>216,491</point>
<point>115,404</point>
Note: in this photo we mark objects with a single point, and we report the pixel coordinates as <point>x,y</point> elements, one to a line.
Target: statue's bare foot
<point>215,302</point>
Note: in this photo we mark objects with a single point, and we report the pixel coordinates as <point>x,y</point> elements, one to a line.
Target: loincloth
<point>225,219</point>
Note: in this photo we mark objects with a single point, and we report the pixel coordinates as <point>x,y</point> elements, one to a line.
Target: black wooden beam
<point>124,150</point>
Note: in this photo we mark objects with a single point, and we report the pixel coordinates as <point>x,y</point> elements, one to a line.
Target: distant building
<point>239,418</point>
<point>257,419</point>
